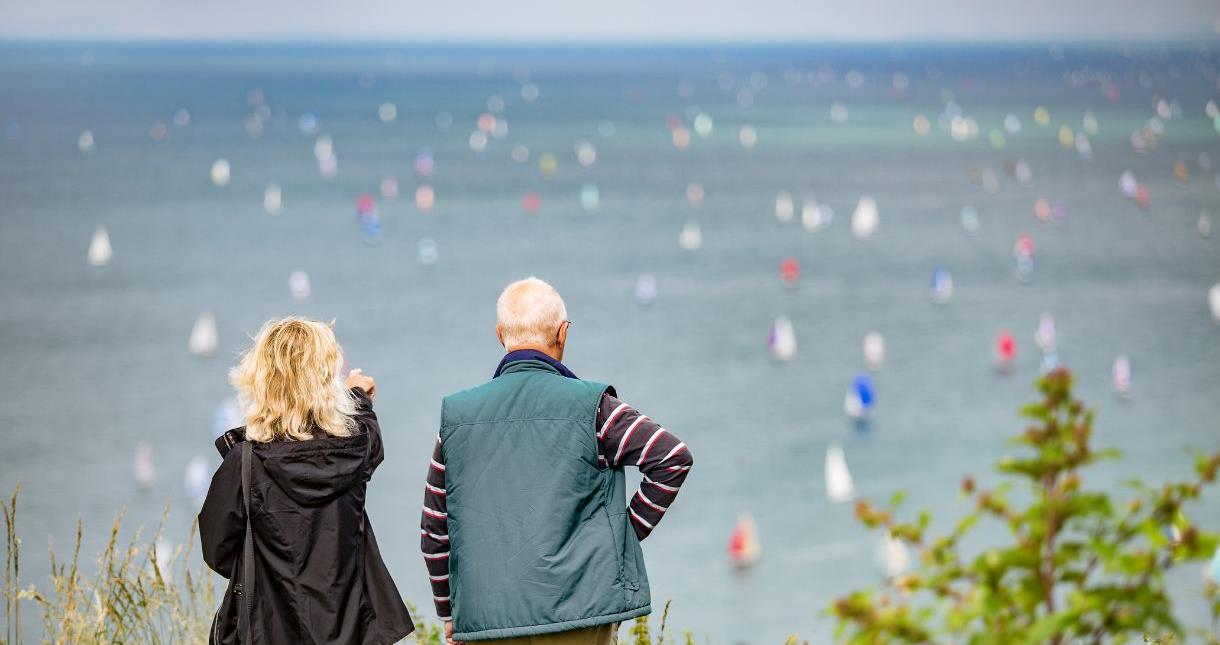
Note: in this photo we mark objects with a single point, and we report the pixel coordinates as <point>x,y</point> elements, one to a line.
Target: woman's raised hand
<point>356,378</point>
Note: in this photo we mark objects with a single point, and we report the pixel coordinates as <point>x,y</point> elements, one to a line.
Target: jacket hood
<point>318,470</point>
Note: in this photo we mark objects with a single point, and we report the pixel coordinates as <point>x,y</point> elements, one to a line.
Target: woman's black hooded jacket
<point>319,577</point>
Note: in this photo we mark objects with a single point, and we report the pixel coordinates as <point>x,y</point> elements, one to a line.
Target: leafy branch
<point>1077,566</point>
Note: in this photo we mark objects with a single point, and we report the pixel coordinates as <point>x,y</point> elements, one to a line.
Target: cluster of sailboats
<point>860,398</point>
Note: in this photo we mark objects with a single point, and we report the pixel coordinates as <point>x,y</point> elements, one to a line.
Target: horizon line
<point>1040,41</point>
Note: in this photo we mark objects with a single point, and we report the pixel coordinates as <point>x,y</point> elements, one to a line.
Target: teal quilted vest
<point>538,533</point>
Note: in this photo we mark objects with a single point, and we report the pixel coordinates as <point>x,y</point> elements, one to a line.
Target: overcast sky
<point>612,20</point>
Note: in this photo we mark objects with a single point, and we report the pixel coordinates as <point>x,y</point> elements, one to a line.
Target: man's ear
<point>562,336</point>
<point>500,337</point>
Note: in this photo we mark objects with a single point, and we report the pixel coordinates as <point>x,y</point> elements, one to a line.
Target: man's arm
<point>434,538</point>
<point>627,438</point>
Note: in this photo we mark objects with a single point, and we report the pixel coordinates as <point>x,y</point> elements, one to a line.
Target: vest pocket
<point>615,533</point>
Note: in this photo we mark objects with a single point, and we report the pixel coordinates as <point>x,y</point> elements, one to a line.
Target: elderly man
<point>527,533</point>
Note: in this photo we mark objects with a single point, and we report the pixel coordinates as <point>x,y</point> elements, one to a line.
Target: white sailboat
<point>874,350</point>
<point>970,220</point>
<point>785,209</point>
<point>942,286</point>
<point>645,289</point>
<point>893,557</point>
<point>164,558</point>
<point>204,339</point>
<point>1121,375</point>
<point>145,472</point>
<point>85,142</point>
<point>196,478</point>
<point>1213,301</point>
<point>853,407</point>
<point>99,248</point>
<point>811,216</point>
<point>691,238</point>
<point>865,219</point>
<point>273,199</point>
<point>428,252</point>
<point>839,487</point>
<point>782,340</point>
<point>298,286</point>
<point>227,416</point>
<point>1044,337</point>
<point>221,172</point>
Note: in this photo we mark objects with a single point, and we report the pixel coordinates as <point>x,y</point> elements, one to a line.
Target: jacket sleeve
<point>366,421</point>
<point>627,438</point>
<point>222,520</point>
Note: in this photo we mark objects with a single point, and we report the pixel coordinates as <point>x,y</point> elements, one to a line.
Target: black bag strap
<point>247,566</point>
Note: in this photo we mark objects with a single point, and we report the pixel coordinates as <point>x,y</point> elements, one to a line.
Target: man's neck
<point>549,351</point>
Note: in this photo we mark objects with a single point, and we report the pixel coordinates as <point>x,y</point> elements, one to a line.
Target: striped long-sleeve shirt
<point>624,438</point>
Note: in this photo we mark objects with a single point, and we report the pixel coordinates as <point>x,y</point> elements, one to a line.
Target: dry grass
<point>138,593</point>
<point>132,597</point>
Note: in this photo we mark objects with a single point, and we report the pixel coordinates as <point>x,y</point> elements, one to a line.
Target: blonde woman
<point>303,565</point>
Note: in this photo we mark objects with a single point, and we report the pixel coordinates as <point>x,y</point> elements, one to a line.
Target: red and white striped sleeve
<point>627,438</point>
<point>434,530</point>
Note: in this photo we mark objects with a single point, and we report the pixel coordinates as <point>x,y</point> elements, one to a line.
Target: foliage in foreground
<point>138,594</point>
<point>1079,565</point>
<point>133,597</point>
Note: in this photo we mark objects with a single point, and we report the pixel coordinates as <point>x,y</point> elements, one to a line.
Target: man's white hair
<point>529,312</point>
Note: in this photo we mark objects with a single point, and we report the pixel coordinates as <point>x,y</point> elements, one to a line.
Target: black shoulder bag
<point>245,589</point>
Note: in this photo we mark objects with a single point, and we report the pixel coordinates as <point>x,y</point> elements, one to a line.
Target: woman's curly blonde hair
<point>288,383</point>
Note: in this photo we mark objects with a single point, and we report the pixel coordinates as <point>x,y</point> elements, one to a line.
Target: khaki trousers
<point>600,635</point>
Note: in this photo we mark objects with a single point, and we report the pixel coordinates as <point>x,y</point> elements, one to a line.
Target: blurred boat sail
<point>196,479</point>
<point>227,416</point>
<point>273,199</point>
<point>839,486</point>
<point>860,397</point>
<point>204,339</point>
<point>145,472</point>
<point>691,237</point>
<point>744,549</point>
<point>298,286</point>
<point>1005,350</point>
<point>1044,337</point>
<point>942,286</point>
<point>874,350</point>
<point>645,289</point>
<point>785,208</point>
<point>782,340</point>
<point>1121,375</point>
<point>85,142</point>
<point>893,557</point>
<point>865,219</point>
<point>99,248</point>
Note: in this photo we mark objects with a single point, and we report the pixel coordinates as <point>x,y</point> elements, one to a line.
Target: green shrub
<point>1078,566</point>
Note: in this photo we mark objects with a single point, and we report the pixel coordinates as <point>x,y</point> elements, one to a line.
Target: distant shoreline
<point>461,45</point>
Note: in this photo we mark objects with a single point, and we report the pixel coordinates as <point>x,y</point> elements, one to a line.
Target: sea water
<point>96,358</point>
